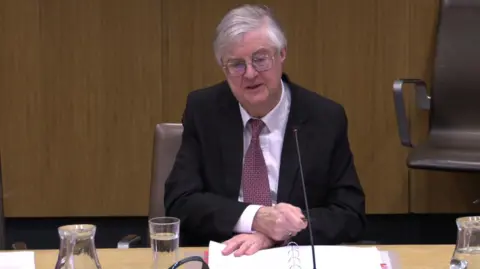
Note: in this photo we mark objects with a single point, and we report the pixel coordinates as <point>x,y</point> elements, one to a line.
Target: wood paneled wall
<point>82,84</point>
<point>80,92</point>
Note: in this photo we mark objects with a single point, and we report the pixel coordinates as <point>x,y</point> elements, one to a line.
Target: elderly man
<point>236,178</point>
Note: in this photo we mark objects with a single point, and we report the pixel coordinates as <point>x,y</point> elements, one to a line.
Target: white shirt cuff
<point>244,224</point>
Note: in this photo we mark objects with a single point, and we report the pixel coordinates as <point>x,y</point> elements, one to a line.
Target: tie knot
<point>257,126</point>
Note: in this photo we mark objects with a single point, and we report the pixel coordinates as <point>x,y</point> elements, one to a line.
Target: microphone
<point>190,259</point>
<point>295,133</point>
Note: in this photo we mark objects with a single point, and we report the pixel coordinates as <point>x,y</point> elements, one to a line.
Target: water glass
<point>164,241</point>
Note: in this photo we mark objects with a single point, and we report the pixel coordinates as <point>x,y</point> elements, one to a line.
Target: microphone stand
<point>295,132</point>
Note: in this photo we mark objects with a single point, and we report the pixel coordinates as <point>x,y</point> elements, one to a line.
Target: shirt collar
<point>273,119</point>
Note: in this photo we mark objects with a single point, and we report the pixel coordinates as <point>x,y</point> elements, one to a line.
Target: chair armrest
<point>422,100</point>
<point>128,240</point>
<point>19,246</point>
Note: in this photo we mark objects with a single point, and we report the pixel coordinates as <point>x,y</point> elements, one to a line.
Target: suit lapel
<point>231,139</point>
<point>289,157</point>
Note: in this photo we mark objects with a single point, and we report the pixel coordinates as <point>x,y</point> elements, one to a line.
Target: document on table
<point>298,257</point>
<point>17,260</point>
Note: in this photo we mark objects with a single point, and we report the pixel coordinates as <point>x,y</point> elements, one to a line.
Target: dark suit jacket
<point>203,187</point>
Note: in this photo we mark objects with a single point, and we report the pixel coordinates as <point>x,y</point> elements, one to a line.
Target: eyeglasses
<point>238,67</point>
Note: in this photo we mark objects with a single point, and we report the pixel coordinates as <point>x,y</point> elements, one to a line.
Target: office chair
<point>166,143</point>
<point>3,238</point>
<point>453,141</point>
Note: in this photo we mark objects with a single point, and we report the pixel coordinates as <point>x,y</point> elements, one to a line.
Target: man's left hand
<point>247,244</point>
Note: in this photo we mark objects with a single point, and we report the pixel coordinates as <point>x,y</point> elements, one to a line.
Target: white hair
<point>242,20</point>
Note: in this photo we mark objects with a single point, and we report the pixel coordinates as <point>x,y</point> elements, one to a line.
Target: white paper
<point>17,260</point>
<point>327,257</point>
<point>390,259</point>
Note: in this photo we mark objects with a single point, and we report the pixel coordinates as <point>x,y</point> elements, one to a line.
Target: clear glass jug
<point>77,247</point>
<point>467,250</point>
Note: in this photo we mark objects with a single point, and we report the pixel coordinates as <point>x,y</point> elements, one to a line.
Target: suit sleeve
<point>204,214</point>
<point>342,219</point>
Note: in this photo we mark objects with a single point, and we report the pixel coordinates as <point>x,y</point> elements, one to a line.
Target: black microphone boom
<point>295,132</point>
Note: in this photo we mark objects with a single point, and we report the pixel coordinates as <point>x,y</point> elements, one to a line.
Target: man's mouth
<point>254,87</point>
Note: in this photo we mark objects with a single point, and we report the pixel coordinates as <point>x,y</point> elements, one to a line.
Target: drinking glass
<point>164,241</point>
<point>467,249</point>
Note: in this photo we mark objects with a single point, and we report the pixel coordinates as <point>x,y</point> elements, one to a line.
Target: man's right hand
<point>279,222</point>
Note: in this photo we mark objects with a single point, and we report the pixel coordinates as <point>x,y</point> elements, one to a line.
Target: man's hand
<point>279,222</point>
<point>247,244</point>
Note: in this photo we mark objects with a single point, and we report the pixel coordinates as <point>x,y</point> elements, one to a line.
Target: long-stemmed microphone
<point>295,132</point>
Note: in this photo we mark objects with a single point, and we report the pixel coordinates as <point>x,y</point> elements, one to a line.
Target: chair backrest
<point>3,243</point>
<point>455,96</point>
<point>167,140</point>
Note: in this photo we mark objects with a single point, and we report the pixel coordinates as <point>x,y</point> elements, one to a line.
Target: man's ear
<point>283,54</point>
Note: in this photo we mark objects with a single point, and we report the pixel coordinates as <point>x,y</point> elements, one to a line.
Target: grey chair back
<point>167,140</point>
<point>166,143</point>
<point>3,243</point>
<point>455,102</point>
<point>453,142</point>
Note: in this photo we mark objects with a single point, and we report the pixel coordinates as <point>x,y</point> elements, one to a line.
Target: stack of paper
<point>17,260</point>
<point>298,257</point>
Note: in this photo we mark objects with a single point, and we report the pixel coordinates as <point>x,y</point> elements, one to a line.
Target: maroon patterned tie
<point>256,189</point>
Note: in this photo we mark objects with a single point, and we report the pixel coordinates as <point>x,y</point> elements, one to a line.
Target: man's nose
<point>250,71</point>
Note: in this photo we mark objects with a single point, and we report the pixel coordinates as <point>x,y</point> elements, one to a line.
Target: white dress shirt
<point>271,143</point>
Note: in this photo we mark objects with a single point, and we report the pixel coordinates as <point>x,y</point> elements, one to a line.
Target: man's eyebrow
<point>261,50</point>
<point>235,60</point>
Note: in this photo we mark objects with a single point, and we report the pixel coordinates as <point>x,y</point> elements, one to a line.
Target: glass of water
<point>467,249</point>
<point>164,241</point>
